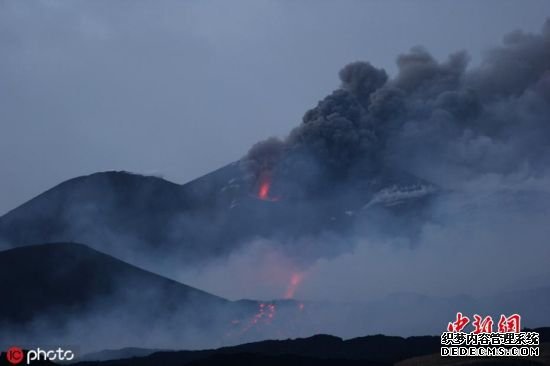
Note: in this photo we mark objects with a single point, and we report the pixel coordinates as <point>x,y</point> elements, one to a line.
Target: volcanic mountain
<point>132,216</point>
<point>71,276</point>
<point>62,293</point>
<point>61,290</point>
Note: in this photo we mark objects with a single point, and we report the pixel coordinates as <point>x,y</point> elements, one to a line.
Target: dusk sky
<point>181,89</point>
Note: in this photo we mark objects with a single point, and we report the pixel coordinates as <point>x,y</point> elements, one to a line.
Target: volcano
<point>132,216</point>
<point>62,292</point>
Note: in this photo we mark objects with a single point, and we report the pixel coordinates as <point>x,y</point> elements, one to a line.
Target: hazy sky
<point>179,88</point>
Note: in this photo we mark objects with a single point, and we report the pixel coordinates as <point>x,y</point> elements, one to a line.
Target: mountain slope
<point>62,293</point>
<point>132,216</point>
<point>65,292</point>
<point>64,277</point>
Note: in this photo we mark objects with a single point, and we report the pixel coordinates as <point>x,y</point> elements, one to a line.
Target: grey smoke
<point>481,132</point>
<point>362,79</point>
<point>263,156</point>
<point>87,85</point>
<point>491,118</point>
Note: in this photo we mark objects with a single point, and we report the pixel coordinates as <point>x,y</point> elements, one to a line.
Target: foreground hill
<point>319,349</point>
<point>63,292</point>
<point>324,350</point>
<point>72,276</point>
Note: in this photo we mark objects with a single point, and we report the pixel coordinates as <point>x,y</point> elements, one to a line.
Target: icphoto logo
<point>15,355</point>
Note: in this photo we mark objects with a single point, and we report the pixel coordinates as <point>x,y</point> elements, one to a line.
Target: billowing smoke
<point>334,137</point>
<point>491,118</point>
<point>338,132</point>
<point>480,133</point>
<point>264,155</point>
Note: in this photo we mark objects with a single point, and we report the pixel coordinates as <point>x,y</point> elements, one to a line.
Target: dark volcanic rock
<point>135,217</point>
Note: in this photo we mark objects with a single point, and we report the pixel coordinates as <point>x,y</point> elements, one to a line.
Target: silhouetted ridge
<point>52,279</point>
<point>133,216</point>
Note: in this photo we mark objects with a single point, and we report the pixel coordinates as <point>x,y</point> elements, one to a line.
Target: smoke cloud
<point>432,117</point>
<point>478,136</point>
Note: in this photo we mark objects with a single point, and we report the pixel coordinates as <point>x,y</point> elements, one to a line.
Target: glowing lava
<point>295,281</point>
<point>264,316</point>
<point>265,188</point>
<point>263,192</point>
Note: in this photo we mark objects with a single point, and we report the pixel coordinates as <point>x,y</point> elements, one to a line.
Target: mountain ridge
<point>128,215</point>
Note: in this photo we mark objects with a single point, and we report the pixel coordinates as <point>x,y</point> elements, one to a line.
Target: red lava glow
<point>264,316</point>
<point>265,188</point>
<point>295,281</point>
<point>263,193</point>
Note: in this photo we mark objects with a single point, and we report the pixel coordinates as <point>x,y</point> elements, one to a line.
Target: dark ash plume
<point>492,118</point>
<point>264,155</point>
<point>361,79</point>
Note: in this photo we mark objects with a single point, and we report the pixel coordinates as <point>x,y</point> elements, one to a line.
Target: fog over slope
<point>434,181</point>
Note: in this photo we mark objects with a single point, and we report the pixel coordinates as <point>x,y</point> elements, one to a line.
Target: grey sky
<point>181,88</point>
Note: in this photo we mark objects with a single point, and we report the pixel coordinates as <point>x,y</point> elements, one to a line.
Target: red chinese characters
<point>510,324</point>
<point>459,323</point>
